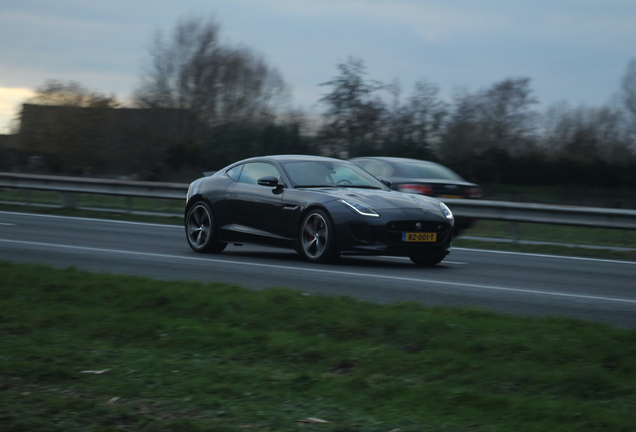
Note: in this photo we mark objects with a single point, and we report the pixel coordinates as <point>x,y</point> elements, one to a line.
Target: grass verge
<point>119,203</point>
<point>555,233</point>
<point>82,351</point>
<point>552,240</point>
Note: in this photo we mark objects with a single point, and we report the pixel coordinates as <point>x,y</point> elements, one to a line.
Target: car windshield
<point>330,174</point>
<point>425,171</point>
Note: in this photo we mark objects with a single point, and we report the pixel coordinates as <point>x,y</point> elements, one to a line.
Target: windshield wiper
<point>314,186</point>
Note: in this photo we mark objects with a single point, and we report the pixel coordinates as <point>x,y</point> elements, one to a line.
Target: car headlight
<point>446,211</point>
<point>360,208</point>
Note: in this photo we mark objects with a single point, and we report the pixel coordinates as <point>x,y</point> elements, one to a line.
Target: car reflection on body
<point>320,207</point>
<point>422,177</point>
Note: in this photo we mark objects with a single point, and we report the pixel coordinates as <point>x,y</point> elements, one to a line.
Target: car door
<point>253,208</point>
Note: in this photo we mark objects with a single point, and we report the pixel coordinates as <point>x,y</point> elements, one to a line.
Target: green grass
<point>555,234</point>
<point>125,204</point>
<point>549,237</point>
<point>95,214</point>
<point>565,195</point>
<point>185,356</point>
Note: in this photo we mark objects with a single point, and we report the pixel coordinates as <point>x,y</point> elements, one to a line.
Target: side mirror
<point>386,182</point>
<point>269,181</point>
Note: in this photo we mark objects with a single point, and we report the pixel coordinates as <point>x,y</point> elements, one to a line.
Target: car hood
<point>382,199</point>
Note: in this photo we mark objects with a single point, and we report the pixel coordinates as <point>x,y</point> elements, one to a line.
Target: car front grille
<point>394,230</point>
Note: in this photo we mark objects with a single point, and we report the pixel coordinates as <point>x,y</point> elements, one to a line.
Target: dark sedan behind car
<point>422,177</point>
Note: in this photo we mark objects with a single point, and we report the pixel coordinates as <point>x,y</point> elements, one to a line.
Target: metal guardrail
<point>544,213</point>
<point>96,186</point>
<point>69,187</point>
<point>477,209</point>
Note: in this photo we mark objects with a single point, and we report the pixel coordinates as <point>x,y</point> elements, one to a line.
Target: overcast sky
<point>572,50</point>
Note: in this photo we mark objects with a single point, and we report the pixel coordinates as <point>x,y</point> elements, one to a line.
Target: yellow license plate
<point>419,237</point>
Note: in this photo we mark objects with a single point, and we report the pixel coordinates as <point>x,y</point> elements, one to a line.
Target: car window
<point>235,173</point>
<point>309,173</point>
<point>255,170</point>
<point>319,173</point>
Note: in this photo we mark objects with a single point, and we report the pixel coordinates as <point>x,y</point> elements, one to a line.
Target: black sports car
<point>321,207</point>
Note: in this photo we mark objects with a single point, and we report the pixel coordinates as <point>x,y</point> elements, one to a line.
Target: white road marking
<point>92,219</point>
<point>332,272</point>
<point>408,259</point>
<point>7,224</point>
<point>546,256</point>
<point>445,261</point>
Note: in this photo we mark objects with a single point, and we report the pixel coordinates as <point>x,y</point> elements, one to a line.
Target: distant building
<point>8,151</point>
<point>109,140</point>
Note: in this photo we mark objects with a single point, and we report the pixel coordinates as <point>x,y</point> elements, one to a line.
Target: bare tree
<point>193,70</point>
<point>424,115</point>
<point>462,137</point>
<point>71,94</point>
<point>353,111</point>
<point>628,87</point>
<point>506,111</point>
<point>556,125</point>
<point>412,128</point>
<point>497,118</point>
<point>586,134</point>
<point>428,112</point>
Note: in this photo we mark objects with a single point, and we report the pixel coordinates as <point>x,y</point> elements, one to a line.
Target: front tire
<point>201,229</point>
<point>317,237</point>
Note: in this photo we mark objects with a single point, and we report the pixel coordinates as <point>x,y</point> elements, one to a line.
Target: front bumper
<point>383,235</point>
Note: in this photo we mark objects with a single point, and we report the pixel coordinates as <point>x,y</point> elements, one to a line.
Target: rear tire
<point>426,261</point>
<point>317,237</point>
<point>201,229</point>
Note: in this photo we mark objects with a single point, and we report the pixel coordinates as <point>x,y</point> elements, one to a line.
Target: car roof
<point>292,157</point>
<point>395,159</point>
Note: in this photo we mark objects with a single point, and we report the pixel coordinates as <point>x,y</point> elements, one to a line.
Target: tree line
<point>239,106</point>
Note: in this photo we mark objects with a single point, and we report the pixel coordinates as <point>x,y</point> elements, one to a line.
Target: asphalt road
<point>514,283</point>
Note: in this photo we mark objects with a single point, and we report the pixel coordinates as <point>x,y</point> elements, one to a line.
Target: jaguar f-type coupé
<point>321,207</point>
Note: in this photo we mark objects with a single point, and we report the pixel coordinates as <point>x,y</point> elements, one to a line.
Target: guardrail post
<point>515,232</point>
<point>68,199</point>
